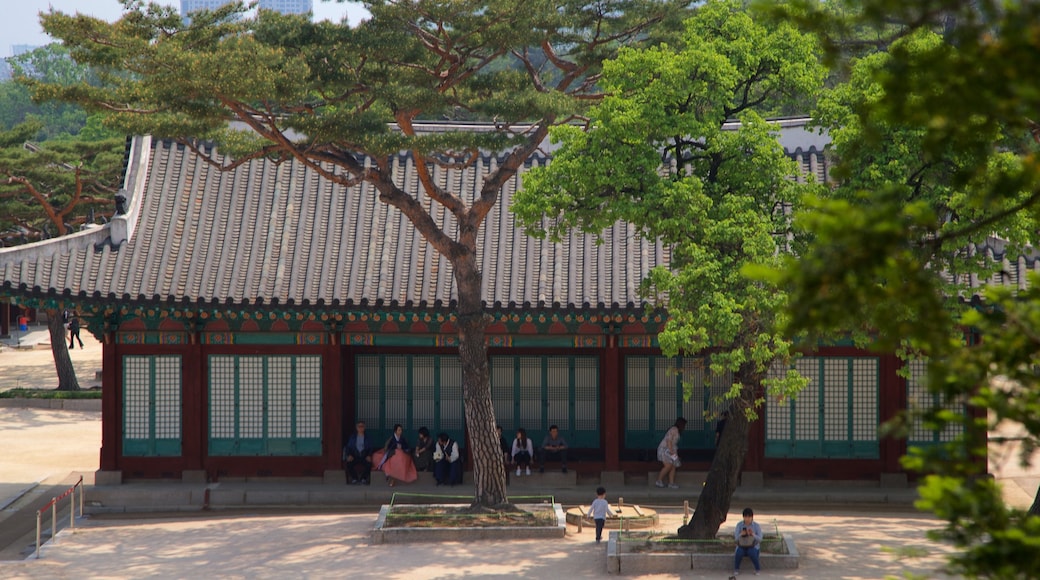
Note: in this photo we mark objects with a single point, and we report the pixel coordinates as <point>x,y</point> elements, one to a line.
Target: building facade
<point>250,317</point>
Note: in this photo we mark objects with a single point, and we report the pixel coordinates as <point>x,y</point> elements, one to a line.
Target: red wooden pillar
<point>613,430</point>
<point>755,457</point>
<point>111,395</point>
<point>193,422</point>
<point>333,385</point>
<point>892,401</point>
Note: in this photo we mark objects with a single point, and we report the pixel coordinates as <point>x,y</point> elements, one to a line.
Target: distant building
<point>17,49</point>
<point>283,6</point>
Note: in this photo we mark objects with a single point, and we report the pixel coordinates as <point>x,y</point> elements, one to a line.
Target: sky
<point>20,21</point>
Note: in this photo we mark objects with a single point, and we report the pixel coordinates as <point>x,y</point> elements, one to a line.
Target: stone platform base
<point>383,535</point>
<point>622,561</point>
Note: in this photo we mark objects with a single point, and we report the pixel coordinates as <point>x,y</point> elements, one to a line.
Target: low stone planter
<point>89,405</point>
<point>622,560</point>
<point>384,535</point>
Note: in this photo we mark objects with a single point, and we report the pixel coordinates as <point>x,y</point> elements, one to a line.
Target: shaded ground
<point>34,368</point>
<point>853,546</point>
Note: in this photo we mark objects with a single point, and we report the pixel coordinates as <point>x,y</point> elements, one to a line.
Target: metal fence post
<point>39,518</point>
<point>54,517</point>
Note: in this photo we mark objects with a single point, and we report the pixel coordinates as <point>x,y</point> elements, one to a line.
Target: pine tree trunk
<point>724,473</point>
<point>62,362</point>
<point>489,477</point>
<point>1035,508</point>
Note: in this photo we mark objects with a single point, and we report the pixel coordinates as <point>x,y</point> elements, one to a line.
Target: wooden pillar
<point>892,401</point>
<point>193,421</point>
<point>5,320</point>
<point>613,429</point>
<point>333,385</point>
<point>755,458</point>
<point>111,396</point>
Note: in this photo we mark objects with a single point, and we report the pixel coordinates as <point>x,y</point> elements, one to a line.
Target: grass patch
<point>92,393</point>
<point>420,516</point>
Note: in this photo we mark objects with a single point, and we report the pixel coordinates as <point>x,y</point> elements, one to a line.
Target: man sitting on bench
<point>554,446</point>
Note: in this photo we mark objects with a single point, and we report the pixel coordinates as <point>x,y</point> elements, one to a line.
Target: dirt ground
<point>833,545</point>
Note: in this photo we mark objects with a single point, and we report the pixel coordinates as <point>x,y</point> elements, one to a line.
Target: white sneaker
<point>659,483</point>
<point>673,485</point>
<point>518,472</point>
<point>528,471</point>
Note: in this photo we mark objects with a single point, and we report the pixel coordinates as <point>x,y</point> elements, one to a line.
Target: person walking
<point>668,454</point>
<point>74,332</point>
<point>599,510</point>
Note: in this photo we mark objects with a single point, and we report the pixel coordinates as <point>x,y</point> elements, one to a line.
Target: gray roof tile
<point>267,232</point>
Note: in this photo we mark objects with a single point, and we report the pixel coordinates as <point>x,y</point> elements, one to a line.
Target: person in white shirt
<point>599,510</point>
<point>523,451</point>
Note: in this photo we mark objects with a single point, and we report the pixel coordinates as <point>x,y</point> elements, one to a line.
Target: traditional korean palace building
<point>250,317</point>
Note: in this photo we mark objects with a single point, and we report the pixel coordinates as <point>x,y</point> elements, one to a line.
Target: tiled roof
<point>268,232</point>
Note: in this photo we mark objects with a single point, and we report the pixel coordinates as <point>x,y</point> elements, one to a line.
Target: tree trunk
<point>714,501</point>
<point>489,475</point>
<point>1034,510</point>
<point>62,363</point>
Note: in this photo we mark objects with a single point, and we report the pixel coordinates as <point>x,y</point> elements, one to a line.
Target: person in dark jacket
<point>424,450</point>
<point>357,456</point>
<point>447,466</point>
<point>74,332</point>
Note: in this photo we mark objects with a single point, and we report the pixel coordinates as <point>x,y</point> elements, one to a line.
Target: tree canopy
<point>328,95</point>
<point>655,153</point>
<point>937,148</point>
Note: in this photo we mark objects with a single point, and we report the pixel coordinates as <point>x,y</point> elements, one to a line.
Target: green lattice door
<point>535,392</point>
<point>264,405</point>
<point>151,405</point>
<point>835,416</point>
<point>919,399</point>
<point>654,397</point>
<point>413,390</point>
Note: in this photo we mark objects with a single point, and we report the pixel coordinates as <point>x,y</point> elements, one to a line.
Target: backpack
<point>746,541</point>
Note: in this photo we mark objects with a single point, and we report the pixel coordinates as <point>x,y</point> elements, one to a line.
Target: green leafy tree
<point>51,64</point>
<point>326,94</point>
<point>654,153</point>
<point>45,191</point>
<point>938,149</point>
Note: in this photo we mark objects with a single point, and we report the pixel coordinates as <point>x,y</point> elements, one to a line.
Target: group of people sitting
<point>399,461</point>
<point>522,451</point>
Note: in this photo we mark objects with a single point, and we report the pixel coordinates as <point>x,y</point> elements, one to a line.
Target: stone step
<point>687,479</point>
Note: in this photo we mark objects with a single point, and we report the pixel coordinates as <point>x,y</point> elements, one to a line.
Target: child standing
<point>599,511</point>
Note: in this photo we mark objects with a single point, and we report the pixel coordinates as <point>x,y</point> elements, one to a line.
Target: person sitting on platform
<point>424,450</point>
<point>505,447</point>
<point>749,540</point>
<point>357,455</point>
<point>523,450</point>
<point>555,446</point>
<point>447,466</point>
<point>396,460</point>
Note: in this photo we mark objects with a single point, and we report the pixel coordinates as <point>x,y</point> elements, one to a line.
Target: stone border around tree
<point>664,562</point>
<point>90,405</point>
<point>384,535</point>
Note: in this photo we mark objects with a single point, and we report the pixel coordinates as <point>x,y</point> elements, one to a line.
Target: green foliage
<point>50,64</point>
<point>655,155</point>
<point>337,87</point>
<point>47,189</point>
<point>937,149</point>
